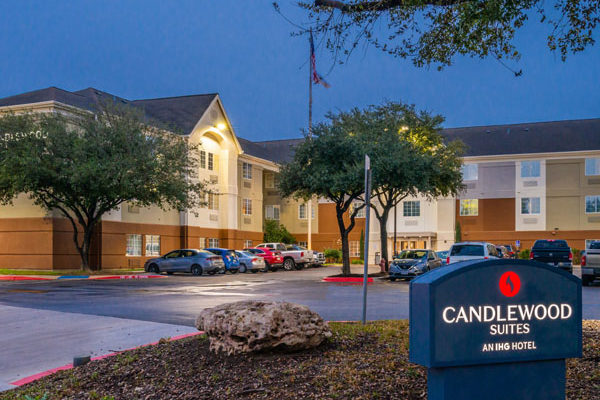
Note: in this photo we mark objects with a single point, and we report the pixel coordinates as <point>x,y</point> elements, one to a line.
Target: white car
<point>294,257</point>
<point>465,251</point>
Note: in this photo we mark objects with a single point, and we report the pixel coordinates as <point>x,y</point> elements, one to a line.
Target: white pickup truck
<point>590,263</point>
<point>292,258</point>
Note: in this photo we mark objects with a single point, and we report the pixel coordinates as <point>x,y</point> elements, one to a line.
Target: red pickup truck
<point>273,258</point>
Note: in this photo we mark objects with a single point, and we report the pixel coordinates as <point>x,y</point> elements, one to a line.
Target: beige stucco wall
<point>22,207</point>
<point>251,189</point>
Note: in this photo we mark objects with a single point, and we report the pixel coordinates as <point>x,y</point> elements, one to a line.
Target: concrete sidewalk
<point>33,341</point>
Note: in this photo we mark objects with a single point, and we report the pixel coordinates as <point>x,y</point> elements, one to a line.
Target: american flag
<point>317,79</point>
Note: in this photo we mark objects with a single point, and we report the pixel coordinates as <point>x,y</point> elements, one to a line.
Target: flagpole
<point>310,101</point>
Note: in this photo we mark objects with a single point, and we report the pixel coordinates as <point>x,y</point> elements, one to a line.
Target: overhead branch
<point>382,5</point>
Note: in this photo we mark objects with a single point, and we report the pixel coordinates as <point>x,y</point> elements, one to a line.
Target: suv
<point>553,252</point>
<point>590,263</point>
<point>273,258</point>
<point>465,251</point>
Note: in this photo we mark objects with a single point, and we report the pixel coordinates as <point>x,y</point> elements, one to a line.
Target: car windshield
<point>442,253</point>
<point>412,254</point>
<point>550,244</point>
<point>467,250</point>
<point>595,245</point>
<point>244,254</point>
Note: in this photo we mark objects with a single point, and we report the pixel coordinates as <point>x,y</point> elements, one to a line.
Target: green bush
<point>357,262</point>
<point>333,255</point>
<point>524,254</point>
<point>576,256</point>
<point>277,233</point>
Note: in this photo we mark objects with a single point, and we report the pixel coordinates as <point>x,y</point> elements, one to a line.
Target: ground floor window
<point>530,205</point>
<point>354,248</point>
<point>213,242</point>
<point>247,244</point>
<point>469,207</point>
<point>134,245</point>
<point>592,204</point>
<point>152,245</point>
<point>303,244</point>
<point>202,242</point>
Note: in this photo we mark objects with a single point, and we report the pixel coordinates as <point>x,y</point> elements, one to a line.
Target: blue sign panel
<point>488,312</point>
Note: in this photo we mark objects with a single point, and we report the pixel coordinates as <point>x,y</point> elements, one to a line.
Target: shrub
<point>524,254</point>
<point>357,262</point>
<point>333,255</point>
<point>576,256</point>
<point>275,232</point>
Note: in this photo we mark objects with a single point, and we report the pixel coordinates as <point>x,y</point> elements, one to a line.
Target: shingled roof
<point>181,113</point>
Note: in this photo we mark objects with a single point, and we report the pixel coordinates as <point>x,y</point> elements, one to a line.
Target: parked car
<point>471,251</point>
<point>410,263</point>
<point>250,262</point>
<point>293,256</point>
<point>443,255</point>
<point>273,258</point>
<point>553,252</point>
<point>186,260</point>
<point>511,250</point>
<point>590,263</point>
<point>232,264</point>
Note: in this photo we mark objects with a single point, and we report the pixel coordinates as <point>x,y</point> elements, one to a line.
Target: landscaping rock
<point>249,326</point>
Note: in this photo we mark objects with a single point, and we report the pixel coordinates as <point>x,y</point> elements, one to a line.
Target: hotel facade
<point>522,182</point>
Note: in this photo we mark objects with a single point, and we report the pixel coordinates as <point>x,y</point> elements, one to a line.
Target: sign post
<point>367,219</point>
<point>497,329</point>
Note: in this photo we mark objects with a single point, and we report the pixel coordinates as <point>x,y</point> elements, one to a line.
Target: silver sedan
<point>194,261</point>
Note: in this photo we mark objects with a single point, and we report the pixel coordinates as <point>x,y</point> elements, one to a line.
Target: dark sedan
<point>411,263</point>
<point>194,261</point>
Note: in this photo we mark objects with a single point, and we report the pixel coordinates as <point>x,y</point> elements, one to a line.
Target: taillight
<point>485,258</point>
<point>570,256</point>
<point>583,260</point>
<point>531,255</point>
<point>448,260</point>
<point>301,254</point>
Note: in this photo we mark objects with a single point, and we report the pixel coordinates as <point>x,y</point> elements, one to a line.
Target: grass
<point>4,271</point>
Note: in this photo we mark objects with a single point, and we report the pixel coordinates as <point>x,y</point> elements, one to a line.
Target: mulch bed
<point>375,275</point>
<point>358,362</point>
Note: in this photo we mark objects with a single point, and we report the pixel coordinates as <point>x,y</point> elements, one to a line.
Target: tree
<point>277,233</point>
<point>329,165</point>
<point>433,32</point>
<point>457,232</point>
<point>361,244</point>
<point>88,164</point>
<point>408,157</point>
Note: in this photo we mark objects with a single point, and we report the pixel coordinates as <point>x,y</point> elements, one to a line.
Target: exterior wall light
<point>221,126</point>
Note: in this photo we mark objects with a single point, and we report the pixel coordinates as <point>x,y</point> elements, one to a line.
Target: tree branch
<point>381,5</point>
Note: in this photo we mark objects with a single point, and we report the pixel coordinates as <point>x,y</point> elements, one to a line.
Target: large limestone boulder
<point>248,326</point>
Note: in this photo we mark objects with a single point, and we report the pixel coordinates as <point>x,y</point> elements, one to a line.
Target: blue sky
<point>243,50</point>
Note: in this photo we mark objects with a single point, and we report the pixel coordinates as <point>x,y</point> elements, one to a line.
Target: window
<point>202,242</point>
<point>412,208</point>
<point>202,159</point>
<point>211,162</point>
<point>213,242</point>
<point>272,212</point>
<point>247,243</point>
<point>530,205</point>
<point>354,248</point>
<point>270,180</point>
<point>302,211</point>
<point>592,204</point>
<point>213,201</point>
<point>247,171</point>
<point>530,169</point>
<point>592,166</point>
<point>469,172</point>
<point>247,206</point>
<point>134,245</point>
<point>469,207</point>
<point>361,212</point>
<point>303,244</point>
<point>152,245</point>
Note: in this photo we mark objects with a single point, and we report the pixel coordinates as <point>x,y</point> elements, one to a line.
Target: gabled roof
<point>278,151</point>
<point>181,113</point>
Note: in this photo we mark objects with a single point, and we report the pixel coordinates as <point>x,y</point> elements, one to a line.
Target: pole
<point>310,101</point>
<point>395,219</point>
<point>367,215</point>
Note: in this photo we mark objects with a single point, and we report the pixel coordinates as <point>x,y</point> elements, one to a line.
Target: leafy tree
<point>408,157</point>
<point>361,244</point>
<point>433,32</point>
<point>277,233</point>
<point>86,165</point>
<point>457,233</point>
<point>329,165</point>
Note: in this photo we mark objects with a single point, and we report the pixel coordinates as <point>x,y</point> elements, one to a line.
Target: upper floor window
<point>247,171</point>
<point>269,180</point>
<point>530,169</point>
<point>211,161</point>
<point>272,212</point>
<point>213,201</point>
<point>202,159</point>
<point>530,205</point>
<point>592,166</point>
<point>412,208</point>
<point>360,213</point>
<point>207,160</point>
<point>302,211</point>
<point>470,172</point>
<point>247,206</point>
<point>592,204</point>
<point>469,207</point>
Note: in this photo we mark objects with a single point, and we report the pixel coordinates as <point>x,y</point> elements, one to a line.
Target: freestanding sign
<point>495,329</point>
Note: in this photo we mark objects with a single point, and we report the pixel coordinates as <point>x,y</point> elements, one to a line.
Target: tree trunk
<point>383,235</point>
<point>85,247</point>
<point>345,247</point>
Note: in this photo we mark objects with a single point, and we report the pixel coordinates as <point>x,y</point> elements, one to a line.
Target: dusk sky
<point>243,50</point>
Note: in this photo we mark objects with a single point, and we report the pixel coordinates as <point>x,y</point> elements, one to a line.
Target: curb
<point>39,278</point>
<point>127,277</point>
<point>23,278</point>
<point>348,279</point>
<point>35,377</point>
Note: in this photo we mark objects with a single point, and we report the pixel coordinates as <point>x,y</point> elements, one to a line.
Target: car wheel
<point>266,268</point>
<point>289,264</point>
<point>299,266</point>
<point>586,280</point>
<point>153,268</point>
<point>196,270</point>
<point>243,268</point>
<point>233,271</point>
<point>392,279</point>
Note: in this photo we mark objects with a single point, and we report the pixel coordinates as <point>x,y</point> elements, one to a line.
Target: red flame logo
<point>509,284</point>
